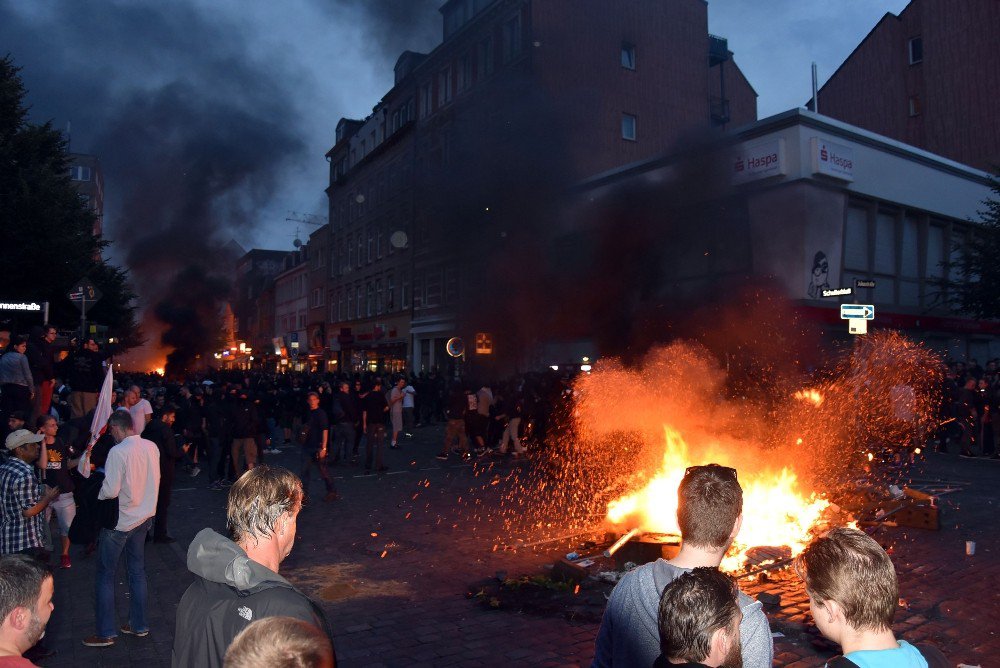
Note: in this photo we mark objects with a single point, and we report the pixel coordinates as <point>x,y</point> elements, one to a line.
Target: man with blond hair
<point>853,596</point>
<point>237,581</point>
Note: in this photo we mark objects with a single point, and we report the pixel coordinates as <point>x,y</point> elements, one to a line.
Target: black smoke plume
<point>190,311</point>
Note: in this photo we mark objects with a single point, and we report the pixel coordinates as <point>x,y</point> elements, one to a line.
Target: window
<point>885,243</point>
<point>350,302</point>
<point>426,104</point>
<point>450,286</point>
<point>361,247</point>
<point>628,56</point>
<point>511,38</point>
<point>390,293</point>
<point>378,242</point>
<point>371,245</point>
<point>79,173</point>
<point>909,256</point>
<point>358,301</point>
<point>418,291</point>
<point>914,104</point>
<point>433,296</point>
<point>916,50</point>
<point>370,301</point>
<point>404,290</point>
<point>464,72</point>
<point>856,239</point>
<point>484,58</point>
<point>378,296</point>
<point>935,251</point>
<point>350,253</point>
<point>628,127</point>
<point>444,87</point>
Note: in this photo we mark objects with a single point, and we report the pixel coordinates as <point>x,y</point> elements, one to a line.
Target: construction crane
<point>306,218</point>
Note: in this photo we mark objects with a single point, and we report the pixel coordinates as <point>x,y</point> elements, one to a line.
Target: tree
<point>978,262</point>
<point>46,239</point>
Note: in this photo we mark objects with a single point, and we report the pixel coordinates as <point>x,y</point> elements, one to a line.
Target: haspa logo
<point>739,164</point>
<point>827,156</point>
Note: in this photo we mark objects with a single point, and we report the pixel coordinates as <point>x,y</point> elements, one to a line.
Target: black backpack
<point>932,655</point>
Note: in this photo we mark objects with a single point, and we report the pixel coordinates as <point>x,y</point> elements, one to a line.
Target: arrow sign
<point>857,311</point>
<point>84,290</point>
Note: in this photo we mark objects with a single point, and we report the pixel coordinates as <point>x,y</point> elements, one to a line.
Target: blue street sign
<point>859,311</point>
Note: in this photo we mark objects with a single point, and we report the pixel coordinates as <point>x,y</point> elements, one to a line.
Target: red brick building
<point>441,199</point>
<point>928,77</point>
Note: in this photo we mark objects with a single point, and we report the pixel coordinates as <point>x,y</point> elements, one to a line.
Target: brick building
<point>88,178</point>
<point>255,270</point>
<point>443,200</point>
<point>291,305</point>
<point>928,77</point>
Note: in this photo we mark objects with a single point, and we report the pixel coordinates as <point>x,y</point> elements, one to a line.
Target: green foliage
<point>46,240</point>
<point>978,261</point>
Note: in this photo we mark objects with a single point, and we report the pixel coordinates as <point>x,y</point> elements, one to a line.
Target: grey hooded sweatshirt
<point>630,634</point>
<point>230,591</point>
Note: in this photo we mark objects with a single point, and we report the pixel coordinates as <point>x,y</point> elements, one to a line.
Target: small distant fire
<point>812,396</point>
<point>159,371</point>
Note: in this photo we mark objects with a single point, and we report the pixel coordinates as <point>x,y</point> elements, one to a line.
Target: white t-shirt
<point>139,413</point>
<point>132,474</point>
<point>408,393</point>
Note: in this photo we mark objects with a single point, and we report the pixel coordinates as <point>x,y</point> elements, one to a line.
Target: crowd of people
<point>970,400</point>
<point>111,492</point>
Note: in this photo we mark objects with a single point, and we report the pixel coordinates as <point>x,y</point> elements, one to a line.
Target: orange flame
<point>775,511</point>
<point>812,396</point>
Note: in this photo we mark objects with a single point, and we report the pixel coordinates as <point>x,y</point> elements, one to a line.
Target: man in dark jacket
<point>42,365</point>
<point>161,432</point>
<point>237,582</point>
<point>84,372</point>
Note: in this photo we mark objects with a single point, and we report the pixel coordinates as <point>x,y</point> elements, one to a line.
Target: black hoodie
<point>229,592</point>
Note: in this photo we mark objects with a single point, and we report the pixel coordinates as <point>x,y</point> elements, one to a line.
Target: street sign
<point>857,326</point>
<point>484,343</point>
<point>455,346</point>
<point>857,311</point>
<point>836,292</point>
<point>84,293</point>
<point>861,283</point>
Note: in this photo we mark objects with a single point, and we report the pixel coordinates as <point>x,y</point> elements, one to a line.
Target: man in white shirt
<point>140,409</point>
<point>132,475</point>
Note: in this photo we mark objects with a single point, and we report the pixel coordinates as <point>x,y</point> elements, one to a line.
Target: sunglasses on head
<point>726,471</point>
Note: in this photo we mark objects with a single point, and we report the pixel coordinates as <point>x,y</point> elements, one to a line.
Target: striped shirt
<point>19,490</point>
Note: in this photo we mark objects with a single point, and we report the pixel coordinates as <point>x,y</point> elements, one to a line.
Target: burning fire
<point>159,371</point>
<point>812,396</point>
<point>775,511</point>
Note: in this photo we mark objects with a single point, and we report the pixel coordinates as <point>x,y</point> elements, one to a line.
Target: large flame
<point>775,511</point>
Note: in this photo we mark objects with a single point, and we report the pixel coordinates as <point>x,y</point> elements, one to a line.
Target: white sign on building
<point>832,159</point>
<point>759,161</point>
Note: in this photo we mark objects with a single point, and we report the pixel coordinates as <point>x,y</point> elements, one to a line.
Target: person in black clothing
<point>315,437</point>
<point>358,394</point>
<point>244,423</point>
<point>84,373</point>
<point>58,457</point>
<point>344,414</point>
<point>699,621</point>
<point>42,365</point>
<point>161,432</point>
<point>455,438</point>
<point>374,418</point>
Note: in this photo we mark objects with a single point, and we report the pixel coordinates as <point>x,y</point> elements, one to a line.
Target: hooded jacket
<point>230,591</point>
<point>630,632</point>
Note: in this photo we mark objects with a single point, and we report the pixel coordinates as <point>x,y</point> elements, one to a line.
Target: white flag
<point>100,422</point>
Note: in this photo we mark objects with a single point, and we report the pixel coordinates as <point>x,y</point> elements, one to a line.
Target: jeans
<point>110,544</point>
<point>376,440</point>
<point>343,440</point>
<point>307,460</point>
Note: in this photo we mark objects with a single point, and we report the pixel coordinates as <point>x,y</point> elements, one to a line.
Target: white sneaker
<point>194,471</point>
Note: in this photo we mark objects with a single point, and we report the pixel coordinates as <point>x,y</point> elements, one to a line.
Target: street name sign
<point>861,283</point>
<point>84,291</point>
<point>837,292</point>
<point>857,312</point>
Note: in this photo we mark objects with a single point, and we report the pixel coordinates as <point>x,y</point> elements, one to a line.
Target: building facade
<point>456,171</point>
<point>88,178</point>
<point>927,77</point>
<point>291,310</point>
<point>814,204</point>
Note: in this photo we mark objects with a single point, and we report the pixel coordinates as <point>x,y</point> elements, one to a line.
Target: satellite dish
<point>297,243</point>
<point>398,239</point>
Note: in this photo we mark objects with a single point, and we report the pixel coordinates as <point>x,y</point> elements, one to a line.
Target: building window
<point>914,105</point>
<point>916,50</point>
<point>464,72</point>
<point>856,239</point>
<point>628,56</point>
<point>378,243</point>
<point>485,58</point>
<point>433,296</point>
<point>628,127</point>
<point>511,38</point>
<point>359,299</point>
<point>361,248</point>
<point>404,290</point>
<point>350,302</point>
<point>79,173</point>
<point>426,104</point>
<point>390,293</point>
<point>444,87</point>
<point>371,245</point>
<point>378,296</point>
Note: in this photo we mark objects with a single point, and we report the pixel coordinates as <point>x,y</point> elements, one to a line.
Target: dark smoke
<point>191,314</point>
<point>392,26</point>
<point>192,127</point>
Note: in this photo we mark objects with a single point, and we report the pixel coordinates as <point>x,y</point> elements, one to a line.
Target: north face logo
<point>246,613</point>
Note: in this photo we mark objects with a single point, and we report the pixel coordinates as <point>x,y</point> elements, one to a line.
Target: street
<point>392,560</point>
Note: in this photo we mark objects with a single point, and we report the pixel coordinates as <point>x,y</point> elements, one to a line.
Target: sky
<point>222,110</point>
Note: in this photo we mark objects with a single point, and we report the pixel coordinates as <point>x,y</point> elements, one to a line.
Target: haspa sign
<point>758,161</point>
<point>832,159</point>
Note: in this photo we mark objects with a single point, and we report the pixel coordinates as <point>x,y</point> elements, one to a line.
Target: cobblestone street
<point>391,562</point>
